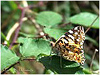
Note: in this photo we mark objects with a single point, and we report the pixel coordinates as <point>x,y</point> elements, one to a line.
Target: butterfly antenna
<point>91,24</point>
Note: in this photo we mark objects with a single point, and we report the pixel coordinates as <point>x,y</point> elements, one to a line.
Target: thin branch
<point>28,12</point>
<point>40,31</point>
<point>30,59</point>
<point>20,21</point>
<point>9,68</point>
<point>18,28</point>
<point>30,15</point>
<point>65,24</point>
<point>93,58</point>
<point>91,24</point>
<point>11,31</point>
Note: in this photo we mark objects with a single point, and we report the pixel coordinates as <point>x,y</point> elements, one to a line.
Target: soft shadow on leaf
<point>7,57</point>
<point>85,19</point>
<point>67,67</point>
<point>34,47</point>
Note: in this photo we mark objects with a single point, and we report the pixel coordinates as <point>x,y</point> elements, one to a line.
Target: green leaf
<point>48,18</point>
<point>55,33</point>
<point>34,47</point>
<point>80,72</point>
<point>48,72</point>
<point>12,70</point>
<point>85,19</point>
<point>87,71</point>
<point>53,63</point>
<point>7,57</point>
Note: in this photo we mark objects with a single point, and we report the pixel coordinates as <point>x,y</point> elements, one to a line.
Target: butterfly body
<point>70,45</point>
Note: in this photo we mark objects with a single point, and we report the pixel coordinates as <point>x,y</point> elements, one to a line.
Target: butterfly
<point>70,45</point>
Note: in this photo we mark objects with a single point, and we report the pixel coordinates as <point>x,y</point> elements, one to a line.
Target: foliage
<point>65,67</point>
<point>35,36</point>
<point>7,57</point>
<point>55,35</point>
<point>48,18</point>
<point>85,19</point>
<point>33,47</point>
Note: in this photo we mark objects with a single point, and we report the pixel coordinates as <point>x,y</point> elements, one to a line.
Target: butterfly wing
<point>70,45</point>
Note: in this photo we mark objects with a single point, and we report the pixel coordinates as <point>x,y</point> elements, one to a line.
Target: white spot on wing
<point>76,33</point>
<point>70,31</point>
<point>82,29</point>
<point>65,41</point>
<point>78,40</point>
<point>70,52</point>
<point>82,47</point>
<point>63,36</point>
<point>75,28</point>
<point>81,43</point>
<point>71,36</point>
<point>70,40</point>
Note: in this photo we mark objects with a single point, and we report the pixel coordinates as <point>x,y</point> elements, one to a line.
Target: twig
<point>15,64</point>
<point>25,4</point>
<point>65,24</point>
<point>32,19</point>
<point>40,31</point>
<point>9,68</point>
<point>18,28</point>
<point>11,31</point>
<point>28,11</point>
<point>91,24</point>
<point>93,58</point>
<point>30,59</point>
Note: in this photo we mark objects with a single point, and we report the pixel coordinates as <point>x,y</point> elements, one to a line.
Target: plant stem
<point>18,28</point>
<point>93,58</point>
<point>15,64</point>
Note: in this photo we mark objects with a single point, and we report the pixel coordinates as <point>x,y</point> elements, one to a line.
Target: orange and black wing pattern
<point>70,45</point>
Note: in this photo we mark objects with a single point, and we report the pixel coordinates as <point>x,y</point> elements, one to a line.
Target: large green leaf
<point>34,47</point>
<point>54,32</point>
<point>85,19</point>
<point>66,67</point>
<point>7,57</point>
<point>48,18</point>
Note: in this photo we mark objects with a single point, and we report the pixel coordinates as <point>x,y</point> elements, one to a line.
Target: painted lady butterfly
<point>70,45</point>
